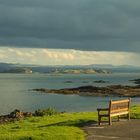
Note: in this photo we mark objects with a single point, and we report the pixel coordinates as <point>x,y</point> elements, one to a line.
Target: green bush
<point>46,112</point>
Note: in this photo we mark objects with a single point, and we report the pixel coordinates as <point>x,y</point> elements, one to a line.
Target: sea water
<point>16,91</point>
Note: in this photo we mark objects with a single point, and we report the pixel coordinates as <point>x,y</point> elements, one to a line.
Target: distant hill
<point>118,69</point>
<point>5,66</point>
<point>18,70</point>
<point>85,69</point>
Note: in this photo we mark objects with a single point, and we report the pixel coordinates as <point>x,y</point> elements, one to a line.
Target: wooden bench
<point>116,108</point>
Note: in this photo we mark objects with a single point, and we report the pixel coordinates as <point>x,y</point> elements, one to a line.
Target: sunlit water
<point>16,93</point>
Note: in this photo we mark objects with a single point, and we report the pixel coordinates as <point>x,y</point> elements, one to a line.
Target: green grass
<point>135,112</point>
<point>58,127</point>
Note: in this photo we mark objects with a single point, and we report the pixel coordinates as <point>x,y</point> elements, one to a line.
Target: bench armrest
<point>102,109</point>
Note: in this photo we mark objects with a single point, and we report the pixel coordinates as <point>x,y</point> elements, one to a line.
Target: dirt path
<point>123,130</point>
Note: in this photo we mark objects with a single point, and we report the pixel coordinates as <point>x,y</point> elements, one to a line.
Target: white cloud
<point>19,53</point>
<point>66,57</point>
<point>58,54</point>
<point>10,49</point>
<point>2,56</point>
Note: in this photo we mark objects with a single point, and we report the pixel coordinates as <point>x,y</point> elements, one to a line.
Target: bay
<point>16,91</point>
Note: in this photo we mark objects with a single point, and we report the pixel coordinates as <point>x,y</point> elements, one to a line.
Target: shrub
<point>46,112</point>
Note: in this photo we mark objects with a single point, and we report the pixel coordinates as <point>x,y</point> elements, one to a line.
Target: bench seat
<point>119,113</point>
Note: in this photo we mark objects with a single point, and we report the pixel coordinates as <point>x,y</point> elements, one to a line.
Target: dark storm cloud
<point>77,24</point>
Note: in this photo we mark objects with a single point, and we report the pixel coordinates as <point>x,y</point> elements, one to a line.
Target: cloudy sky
<point>70,31</point>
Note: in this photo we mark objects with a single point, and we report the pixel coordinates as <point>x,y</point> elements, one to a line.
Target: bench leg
<point>99,120</point>
<point>128,116</point>
<point>110,120</point>
<point>118,118</point>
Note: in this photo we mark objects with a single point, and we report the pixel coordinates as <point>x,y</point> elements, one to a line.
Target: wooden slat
<point>119,110</point>
<point>120,101</point>
<point>119,106</point>
<point>119,113</point>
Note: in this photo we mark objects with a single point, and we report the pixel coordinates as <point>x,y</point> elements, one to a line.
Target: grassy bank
<point>58,127</point>
<point>135,112</point>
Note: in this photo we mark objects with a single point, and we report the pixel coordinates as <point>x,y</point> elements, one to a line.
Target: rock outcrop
<point>114,90</point>
<point>16,115</point>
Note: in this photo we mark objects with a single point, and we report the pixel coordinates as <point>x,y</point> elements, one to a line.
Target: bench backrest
<point>119,106</point>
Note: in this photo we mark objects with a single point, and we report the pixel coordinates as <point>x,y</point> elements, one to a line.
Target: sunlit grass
<point>135,112</point>
<point>58,127</point>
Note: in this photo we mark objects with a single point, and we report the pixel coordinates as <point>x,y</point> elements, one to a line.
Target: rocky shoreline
<point>16,115</point>
<point>136,81</point>
<point>113,90</point>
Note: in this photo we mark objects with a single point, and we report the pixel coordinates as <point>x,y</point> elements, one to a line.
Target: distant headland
<point>67,69</point>
<point>28,69</point>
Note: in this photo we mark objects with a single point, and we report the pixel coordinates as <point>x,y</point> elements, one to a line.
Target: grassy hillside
<point>58,127</point>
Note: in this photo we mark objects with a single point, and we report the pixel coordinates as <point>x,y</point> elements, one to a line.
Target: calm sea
<point>16,93</point>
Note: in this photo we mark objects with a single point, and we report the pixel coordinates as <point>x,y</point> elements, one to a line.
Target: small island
<point>83,71</point>
<point>113,90</point>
